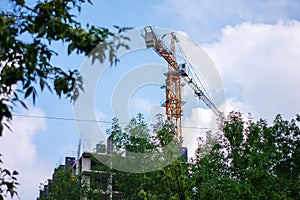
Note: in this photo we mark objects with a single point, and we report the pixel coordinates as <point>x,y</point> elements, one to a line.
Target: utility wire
<point>91,120</point>
<point>63,118</point>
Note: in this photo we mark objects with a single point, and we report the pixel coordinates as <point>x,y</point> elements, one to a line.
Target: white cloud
<point>205,18</point>
<point>19,153</point>
<point>147,107</point>
<point>206,11</point>
<point>195,126</point>
<point>203,119</point>
<point>236,105</point>
<point>260,66</point>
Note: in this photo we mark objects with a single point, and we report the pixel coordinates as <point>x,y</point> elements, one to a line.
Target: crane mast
<point>173,101</point>
<point>173,84</point>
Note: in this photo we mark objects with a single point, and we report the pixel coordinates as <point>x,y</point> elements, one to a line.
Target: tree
<point>134,138</point>
<point>171,181</point>
<point>27,32</point>
<point>65,186</point>
<point>251,160</point>
<point>167,182</point>
<point>245,160</point>
<point>8,182</point>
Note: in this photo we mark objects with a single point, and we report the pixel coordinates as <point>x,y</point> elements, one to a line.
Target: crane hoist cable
<point>153,41</point>
<point>191,68</point>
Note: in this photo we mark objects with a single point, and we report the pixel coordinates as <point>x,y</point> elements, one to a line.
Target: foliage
<point>246,160</point>
<point>27,32</point>
<point>65,186</point>
<point>168,182</point>
<point>251,160</point>
<point>98,181</point>
<point>8,182</point>
<point>171,181</point>
<point>135,137</point>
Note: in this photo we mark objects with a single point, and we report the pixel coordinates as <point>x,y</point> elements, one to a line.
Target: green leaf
<point>28,91</point>
<point>1,129</point>
<point>23,104</point>
<point>15,173</point>
<point>27,84</point>
<point>42,84</point>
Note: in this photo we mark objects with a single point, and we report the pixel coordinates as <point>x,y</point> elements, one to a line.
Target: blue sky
<point>254,45</point>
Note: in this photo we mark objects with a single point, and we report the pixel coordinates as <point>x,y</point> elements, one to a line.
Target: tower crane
<point>173,85</point>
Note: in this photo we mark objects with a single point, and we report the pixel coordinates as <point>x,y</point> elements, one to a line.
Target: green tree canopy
<point>245,160</point>
<point>251,160</point>
<point>169,182</point>
<point>65,186</point>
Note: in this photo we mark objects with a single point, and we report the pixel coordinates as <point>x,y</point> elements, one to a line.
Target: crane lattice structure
<point>176,72</point>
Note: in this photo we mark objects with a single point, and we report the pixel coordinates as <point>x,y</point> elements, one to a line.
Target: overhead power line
<point>89,120</point>
<point>63,118</point>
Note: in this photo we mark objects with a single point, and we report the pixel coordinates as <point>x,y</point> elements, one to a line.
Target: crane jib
<point>153,41</point>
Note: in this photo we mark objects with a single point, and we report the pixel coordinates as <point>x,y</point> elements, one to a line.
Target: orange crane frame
<point>173,84</point>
